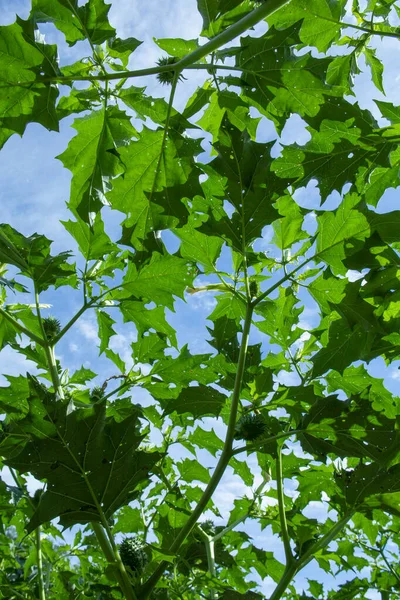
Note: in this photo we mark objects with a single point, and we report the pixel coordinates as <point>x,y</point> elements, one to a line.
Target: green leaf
<point>14,397</point>
<point>80,451</point>
<point>226,104</point>
<point>288,230</point>
<point>122,49</point>
<point>277,81</point>
<point>207,440</point>
<point>116,359</point>
<point>148,348</point>
<point>229,306</point>
<point>334,156</point>
<point>191,470</point>
<point>152,189</point>
<point>81,376</point>
<point>376,67</point>
<point>241,168</point>
<point>280,318</point>
<point>340,72</point>
<point>23,58</point>
<point>326,290</point>
<point>199,247</point>
<point>158,281</point>
<point>345,346</point>
<point>76,22</point>
<point>198,401</point>
<point>106,331</point>
<point>320,27</point>
<point>92,240</point>
<point>357,380</point>
<point>31,255</point>
<point>389,111</point>
<point>147,319</point>
<point>93,157</point>
<point>176,46</point>
<point>197,101</point>
<point>78,101</point>
<point>347,428</point>
<point>336,228</point>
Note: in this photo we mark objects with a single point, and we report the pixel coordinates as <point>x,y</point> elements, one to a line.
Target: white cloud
<point>88,328</point>
<point>14,364</point>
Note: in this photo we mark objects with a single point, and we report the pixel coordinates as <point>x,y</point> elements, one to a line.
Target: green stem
<point>210,551</point>
<point>21,328</point>
<point>210,557</point>
<point>287,577</point>
<point>221,465</point>
<point>38,540</point>
<point>229,34</point>
<point>282,511</point>
<point>42,592</point>
<point>226,36</point>
<point>324,541</point>
<point>70,323</point>
<point>232,526</point>
<point>102,531</point>
<point>296,565</point>
<point>249,448</point>
<point>282,280</point>
<point>369,30</point>
<point>296,366</point>
<point>389,566</point>
<point>288,276</point>
<point>165,133</point>
<point>114,559</point>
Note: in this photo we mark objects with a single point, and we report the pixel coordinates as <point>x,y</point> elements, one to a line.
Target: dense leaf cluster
<point>288,409</point>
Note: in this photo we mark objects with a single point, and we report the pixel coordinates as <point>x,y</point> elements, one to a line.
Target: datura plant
<point>260,461</point>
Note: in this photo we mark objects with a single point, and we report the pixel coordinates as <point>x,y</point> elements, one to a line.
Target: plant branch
<point>249,448</point>
<point>296,565</point>
<point>165,133</point>
<point>282,511</point>
<point>232,32</point>
<point>38,540</point>
<point>324,541</point>
<point>21,328</point>
<point>296,366</point>
<point>257,494</point>
<point>287,577</point>
<point>108,552</point>
<point>72,321</point>
<point>210,551</point>
<point>102,530</point>
<point>221,465</point>
<point>42,592</point>
<point>282,280</point>
<point>381,552</point>
<point>369,30</point>
<point>389,566</point>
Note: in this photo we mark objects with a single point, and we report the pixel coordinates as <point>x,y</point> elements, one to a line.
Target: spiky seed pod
<point>97,393</point>
<point>168,77</point>
<point>52,327</point>
<point>250,427</point>
<point>254,289</point>
<point>208,527</point>
<point>133,554</point>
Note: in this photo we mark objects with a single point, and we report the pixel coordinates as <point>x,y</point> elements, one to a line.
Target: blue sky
<point>35,188</point>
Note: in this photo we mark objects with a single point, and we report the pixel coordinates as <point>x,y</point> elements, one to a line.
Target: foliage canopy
<point>112,467</point>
